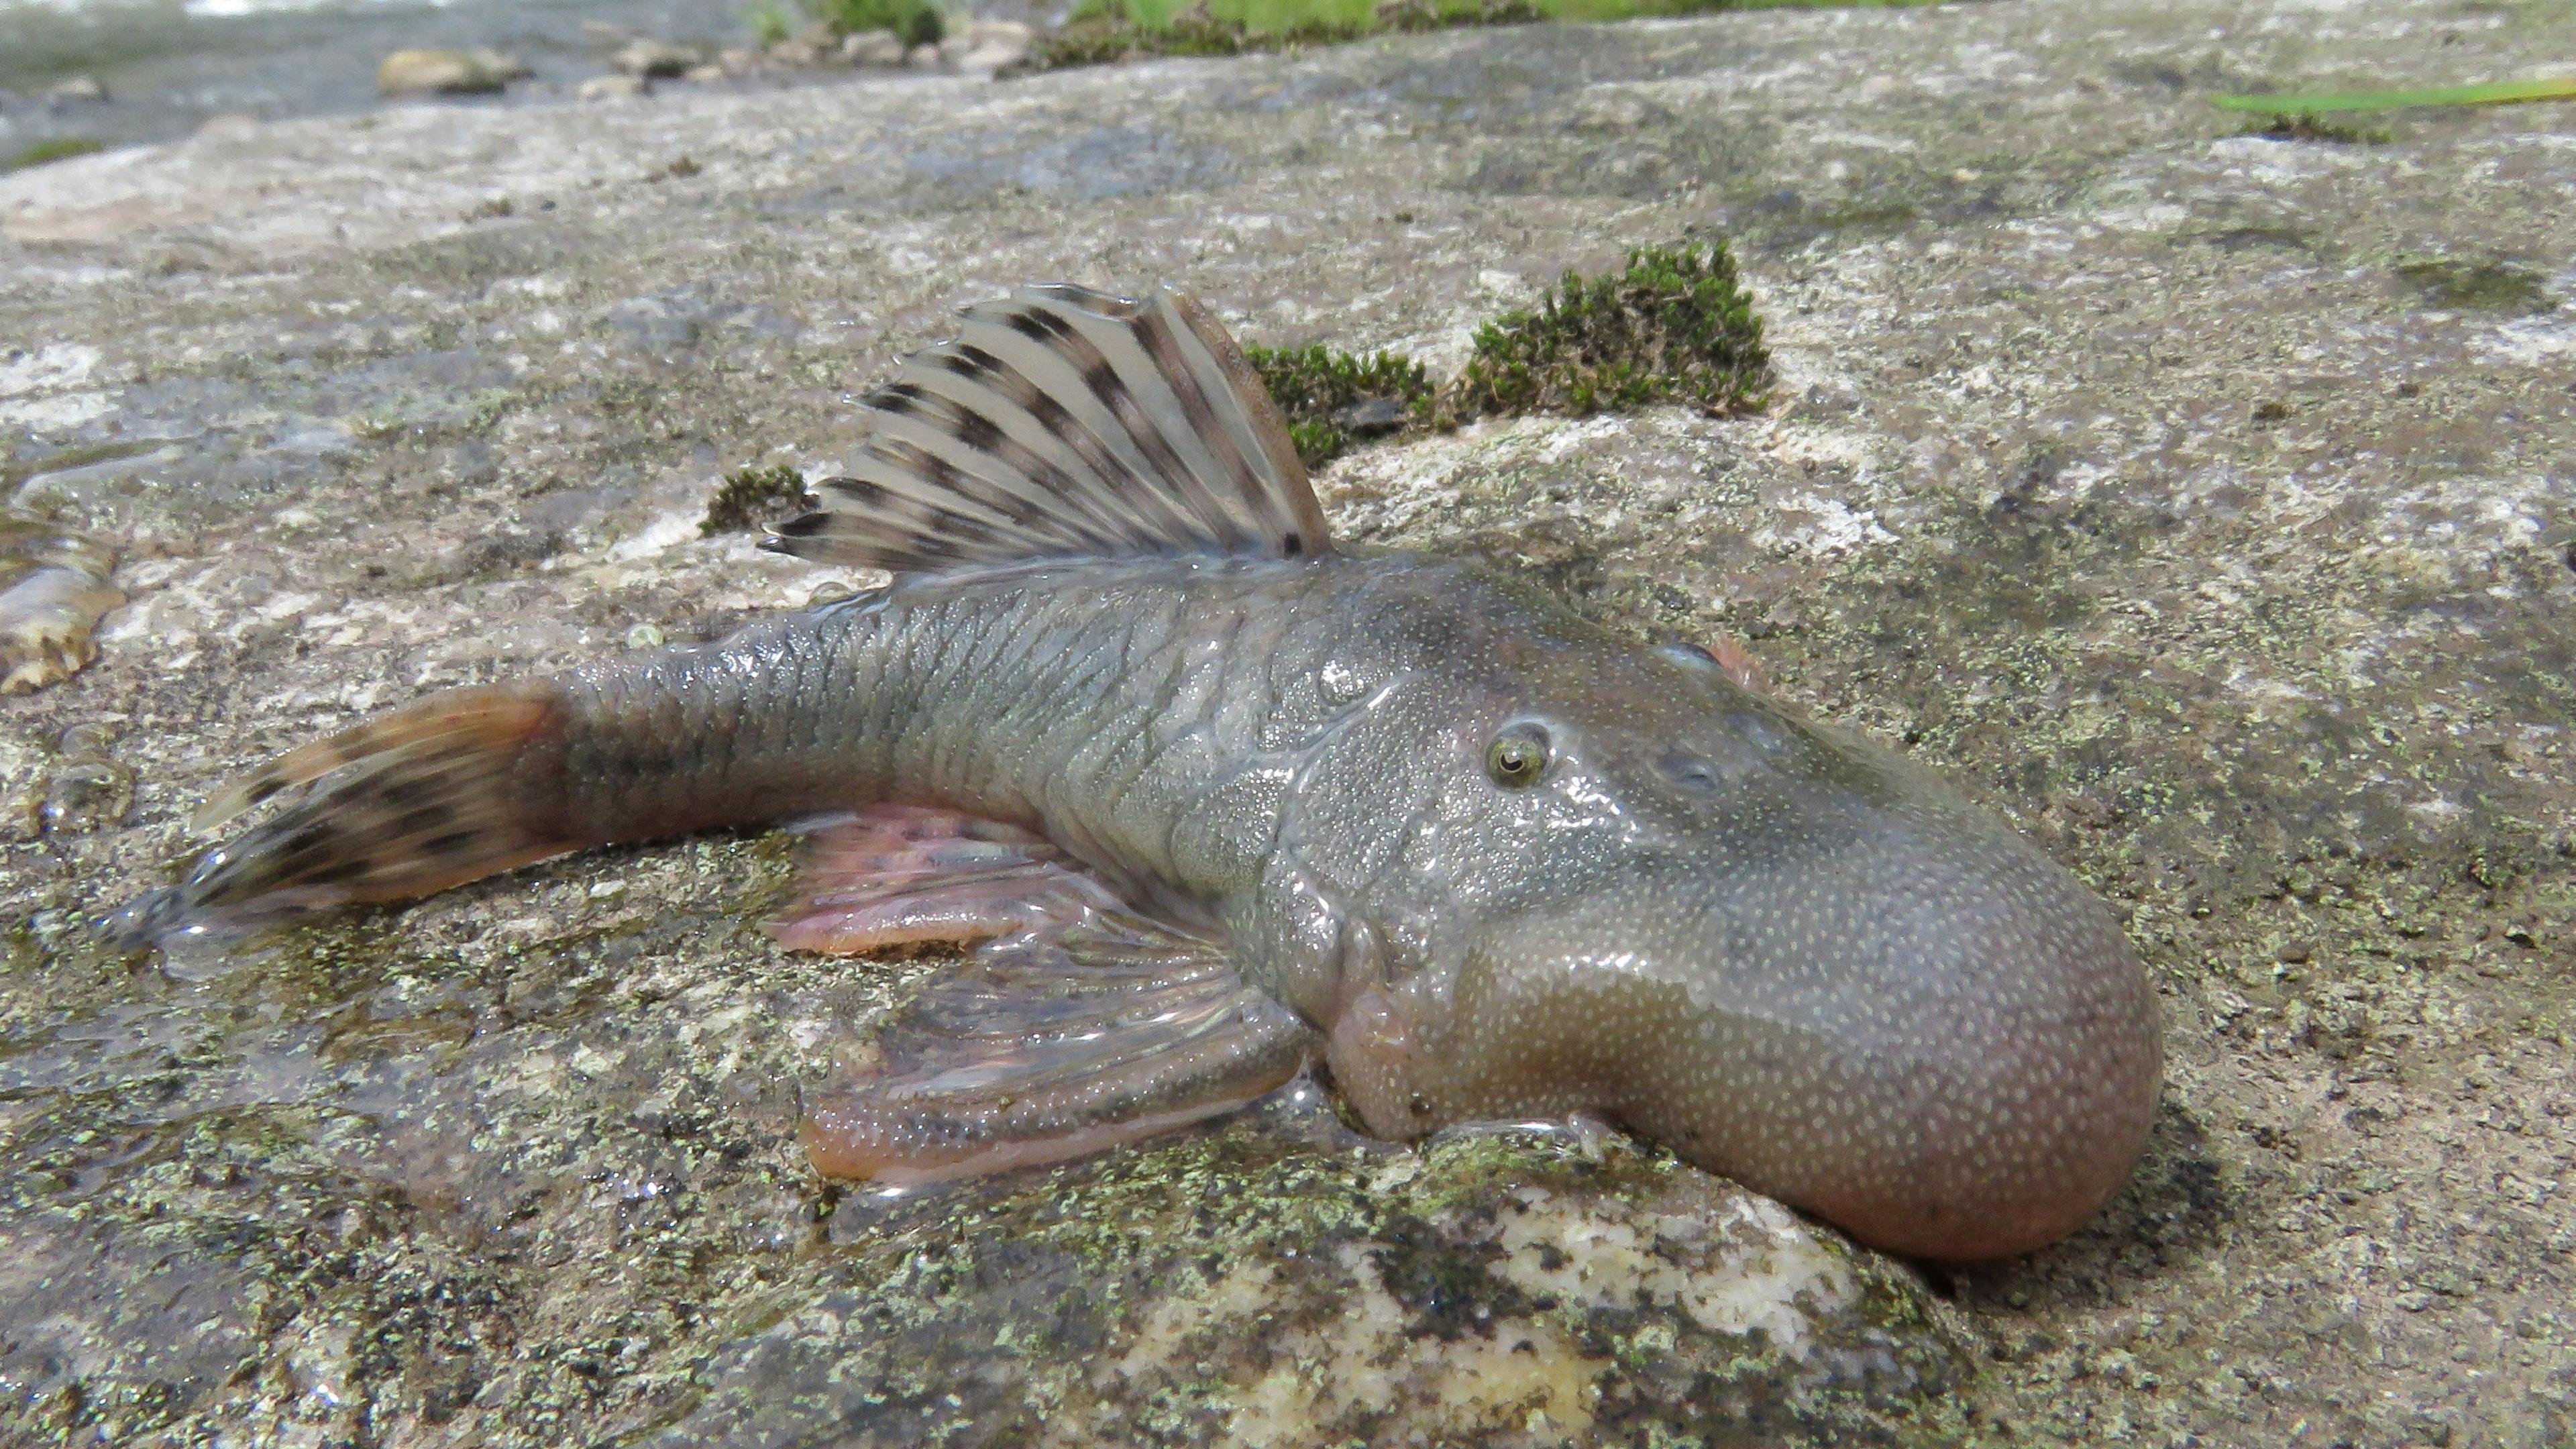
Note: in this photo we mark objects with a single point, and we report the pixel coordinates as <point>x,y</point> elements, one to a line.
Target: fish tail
<point>449,789</point>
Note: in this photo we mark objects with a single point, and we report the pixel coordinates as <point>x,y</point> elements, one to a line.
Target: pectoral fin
<point>1080,1023</point>
<point>897,875</point>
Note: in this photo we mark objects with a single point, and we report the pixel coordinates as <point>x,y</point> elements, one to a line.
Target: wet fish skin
<point>1406,814</point>
<point>1789,954</point>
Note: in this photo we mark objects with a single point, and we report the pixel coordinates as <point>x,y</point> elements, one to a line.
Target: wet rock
<point>653,59</point>
<point>986,59</point>
<point>1487,1290</point>
<point>230,128</point>
<point>798,51</point>
<point>91,790</point>
<point>926,57</point>
<point>704,74</point>
<point>879,48</point>
<point>77,90</point>
<point>984,46</point>
<point>74,788</point>
<point>447,72</point>
<point>1000,32</point>
<point>612,88</point>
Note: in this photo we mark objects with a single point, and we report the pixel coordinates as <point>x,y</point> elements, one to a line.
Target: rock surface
<point>77,89</point>
<point>446,73</point>
<point>2205,502</point>
<point>878,48</point>
<point>652,59</point>
<point>619,87</point>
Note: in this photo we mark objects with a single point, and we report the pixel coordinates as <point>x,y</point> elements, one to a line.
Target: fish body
<point>1214,800</point>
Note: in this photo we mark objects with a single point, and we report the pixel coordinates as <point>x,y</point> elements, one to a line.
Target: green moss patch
<point>1333,398</point>
<point>751,497</point>
<point>2310,126</point>
<point>1102,31</point>
<point>1675,326</point>
<point>915,21</point>
<point>2476,286</point>
<point>60,148</point>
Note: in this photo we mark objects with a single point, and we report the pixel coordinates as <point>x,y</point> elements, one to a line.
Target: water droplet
<point>86,795</point>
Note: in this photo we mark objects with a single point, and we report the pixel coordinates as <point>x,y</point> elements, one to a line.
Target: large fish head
<point>1612,882</point>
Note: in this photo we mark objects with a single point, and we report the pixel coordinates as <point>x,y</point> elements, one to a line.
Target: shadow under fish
<point>1213,800</point>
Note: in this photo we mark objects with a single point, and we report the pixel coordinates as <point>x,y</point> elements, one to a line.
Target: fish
<point>1205,799</point>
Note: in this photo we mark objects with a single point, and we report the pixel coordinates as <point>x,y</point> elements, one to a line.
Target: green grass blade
<point>2496,94</point>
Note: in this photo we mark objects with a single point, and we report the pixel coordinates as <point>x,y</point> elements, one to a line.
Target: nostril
<point>1689,771</point>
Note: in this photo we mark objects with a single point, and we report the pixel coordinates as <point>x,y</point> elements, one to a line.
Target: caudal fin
<point>449,789</point>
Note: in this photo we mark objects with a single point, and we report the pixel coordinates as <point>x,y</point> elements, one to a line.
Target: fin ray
<point>1065,422</point>
<point>446,790</point>
<point>1078,1023</point>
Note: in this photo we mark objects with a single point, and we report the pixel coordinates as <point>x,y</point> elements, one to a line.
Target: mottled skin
<point>1787,953</point>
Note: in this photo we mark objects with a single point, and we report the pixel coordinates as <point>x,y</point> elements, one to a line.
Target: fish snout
<point>1949,1053</point>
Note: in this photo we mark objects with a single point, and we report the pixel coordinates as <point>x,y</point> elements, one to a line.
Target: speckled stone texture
<point>2203,502</point>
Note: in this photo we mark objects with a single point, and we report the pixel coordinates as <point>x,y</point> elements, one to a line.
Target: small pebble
<point>611,88</point>
<point>645,636</point>
<point>429,72</point>
<point>53,590</point>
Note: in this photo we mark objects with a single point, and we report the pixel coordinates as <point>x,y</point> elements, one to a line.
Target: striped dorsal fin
<point>1065,422</point>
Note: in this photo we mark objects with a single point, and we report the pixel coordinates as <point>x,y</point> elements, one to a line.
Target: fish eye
<point>1518,755</point>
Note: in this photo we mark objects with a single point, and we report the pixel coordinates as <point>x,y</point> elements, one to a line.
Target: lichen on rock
<point>1279,1282</point>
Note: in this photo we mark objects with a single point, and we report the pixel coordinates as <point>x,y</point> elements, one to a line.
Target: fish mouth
<point>1959,1063</point>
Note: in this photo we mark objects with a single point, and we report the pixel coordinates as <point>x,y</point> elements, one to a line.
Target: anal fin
<point>1078,1024</point>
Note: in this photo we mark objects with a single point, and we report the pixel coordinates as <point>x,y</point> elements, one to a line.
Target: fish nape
<point>1207,800</point>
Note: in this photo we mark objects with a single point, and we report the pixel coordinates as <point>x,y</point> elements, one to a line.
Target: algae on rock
<point>1242,1286</point>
